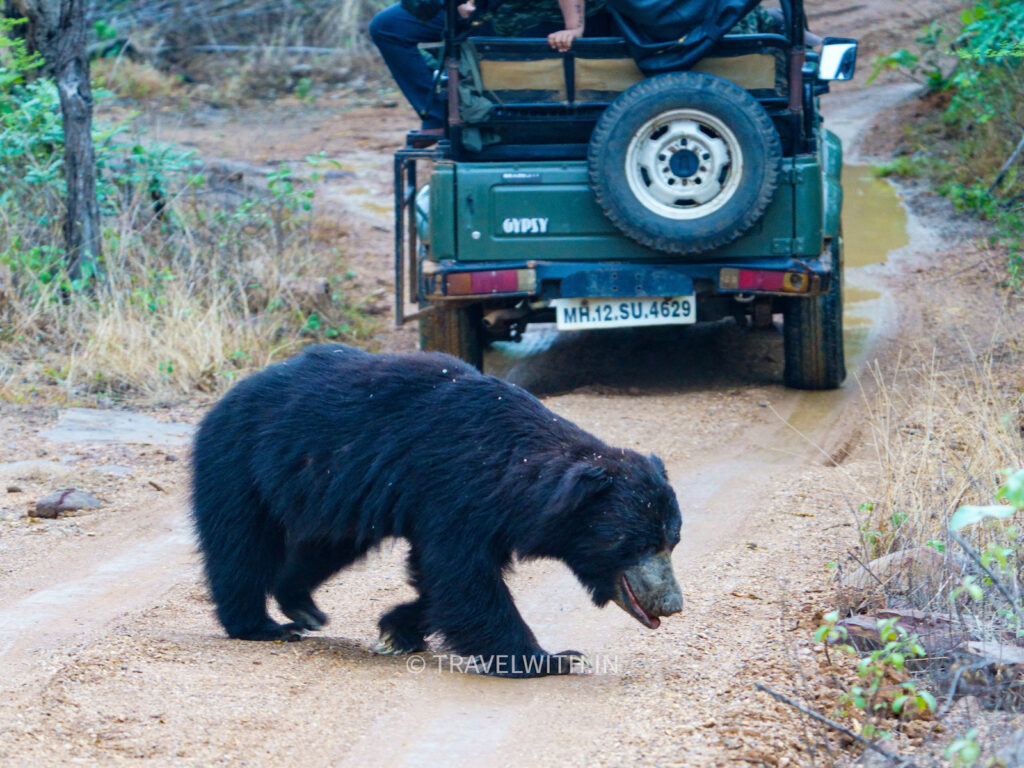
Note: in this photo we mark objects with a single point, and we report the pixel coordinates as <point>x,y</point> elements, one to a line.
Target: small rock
<point>65,501</point>
<point>34,469</point>
<point>967,709</point>
<point>14,489</point>
<point>90,425</point>
<point>871,759</point>
<point>310,294</point>
<point>906,570</point>
<point>117,470</point>
<point>170,457</point>
<point>308,285</point>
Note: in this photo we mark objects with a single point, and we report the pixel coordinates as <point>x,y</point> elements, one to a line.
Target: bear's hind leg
<point>308,565</point>
<point>402,629</point>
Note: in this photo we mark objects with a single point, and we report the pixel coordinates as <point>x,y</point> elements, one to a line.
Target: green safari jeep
<point>630,182</point>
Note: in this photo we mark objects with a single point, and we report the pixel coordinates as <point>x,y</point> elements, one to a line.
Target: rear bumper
<point>545,280</point>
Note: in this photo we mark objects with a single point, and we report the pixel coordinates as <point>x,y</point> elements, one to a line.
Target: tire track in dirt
<point>87,588</point>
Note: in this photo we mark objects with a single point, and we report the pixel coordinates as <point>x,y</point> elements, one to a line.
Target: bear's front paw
<point>272,631</point>
<point>574,662</point>
<point>538,664</point>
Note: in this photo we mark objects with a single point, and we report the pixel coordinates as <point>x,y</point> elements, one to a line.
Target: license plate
<point>580,314</point>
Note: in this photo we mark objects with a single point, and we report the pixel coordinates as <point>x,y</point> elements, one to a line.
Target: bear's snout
<point>649,590</point>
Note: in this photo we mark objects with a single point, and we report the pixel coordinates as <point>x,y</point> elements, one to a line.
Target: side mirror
<point>838,58</point>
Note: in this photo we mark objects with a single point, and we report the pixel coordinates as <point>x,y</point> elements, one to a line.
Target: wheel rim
<point>684,164</point>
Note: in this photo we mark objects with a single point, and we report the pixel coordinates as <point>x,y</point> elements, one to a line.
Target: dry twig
<point>891,757</point>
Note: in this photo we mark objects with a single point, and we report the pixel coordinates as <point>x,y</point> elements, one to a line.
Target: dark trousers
<point>396,32</point>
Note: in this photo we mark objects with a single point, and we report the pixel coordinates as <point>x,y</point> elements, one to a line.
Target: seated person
<point>397,33</point>
<point>769,20</point>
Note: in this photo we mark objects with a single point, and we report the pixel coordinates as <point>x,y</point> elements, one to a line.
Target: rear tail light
<point>775,281</point>
<point>485,283</point>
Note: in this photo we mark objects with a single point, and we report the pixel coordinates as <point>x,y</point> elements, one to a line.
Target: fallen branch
<point>968,268</point>
<point>1006,166</point>
<point>973,554</point>
<point>284,48</point>
<point>891,757</point>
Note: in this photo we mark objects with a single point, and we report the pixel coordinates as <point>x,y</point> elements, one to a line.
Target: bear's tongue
<point>638,610</point>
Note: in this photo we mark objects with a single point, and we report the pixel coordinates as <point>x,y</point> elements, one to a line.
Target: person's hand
<point>561,41</point>
<point>466,9</point>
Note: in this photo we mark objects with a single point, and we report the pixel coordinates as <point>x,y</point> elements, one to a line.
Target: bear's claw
<point>577,662</point>
<point>387,643</point>
<point>307,619</point>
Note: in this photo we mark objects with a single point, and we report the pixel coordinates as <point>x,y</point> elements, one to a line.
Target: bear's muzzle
<point>649,590</point>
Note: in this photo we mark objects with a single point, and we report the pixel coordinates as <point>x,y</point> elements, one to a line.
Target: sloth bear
<point>304,466</point>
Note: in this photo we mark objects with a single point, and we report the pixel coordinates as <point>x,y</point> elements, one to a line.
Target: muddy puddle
<point>874,226</point>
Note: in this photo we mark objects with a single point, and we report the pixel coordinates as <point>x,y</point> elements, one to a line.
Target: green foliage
<point>829,632</point>
<point>925,67</point>
<point>31,136</point>
<point>304,89</point>
<point>976,74</point>
<point>180,253</point>
<point>1002,552</point>
<point>103,30</point>
<point>970,586</point>
<point>1012,492</point>
<point>898,166</point>
<point>866,699</point>
<point>15,60</point>
<point>964,751</point>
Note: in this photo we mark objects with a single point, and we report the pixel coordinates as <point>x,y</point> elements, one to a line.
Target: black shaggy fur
<point>306,465</point>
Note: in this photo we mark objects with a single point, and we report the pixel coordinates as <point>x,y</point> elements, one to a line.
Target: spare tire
<point>684,162</point>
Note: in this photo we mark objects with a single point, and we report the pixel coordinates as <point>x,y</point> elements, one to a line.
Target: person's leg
<point>396,32</point>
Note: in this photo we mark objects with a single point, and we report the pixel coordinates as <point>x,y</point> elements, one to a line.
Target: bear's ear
<point>659,465</point>
<point>580,484</point>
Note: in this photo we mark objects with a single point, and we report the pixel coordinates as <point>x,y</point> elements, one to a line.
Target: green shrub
<point>198,282</point>
<point>976,75</point>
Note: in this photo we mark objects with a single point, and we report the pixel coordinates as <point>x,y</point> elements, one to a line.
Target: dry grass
<point>235,50</point>
<point>944,424</point>
<point>220,283</point>
<point>942,431</point>
<point>130,79</point>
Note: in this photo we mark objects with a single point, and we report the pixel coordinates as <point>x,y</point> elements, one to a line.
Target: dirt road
<point>110,654</point>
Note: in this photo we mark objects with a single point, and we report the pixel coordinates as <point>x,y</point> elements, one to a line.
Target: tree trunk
<point>58,31</point>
